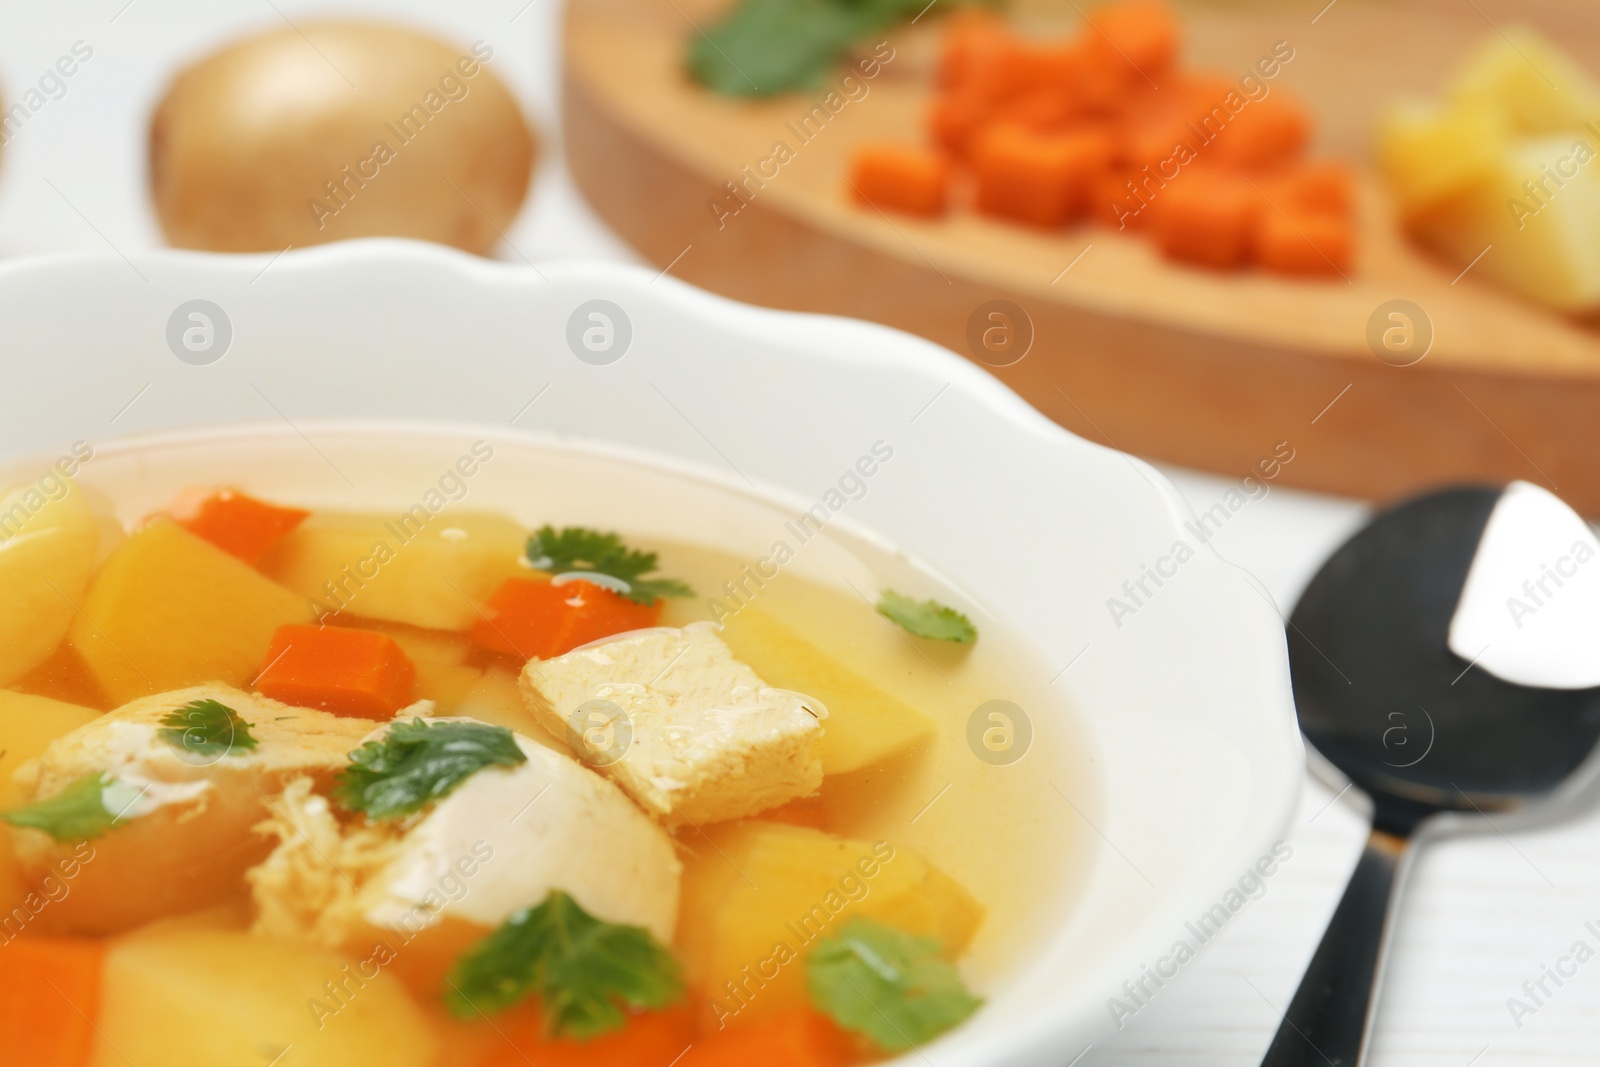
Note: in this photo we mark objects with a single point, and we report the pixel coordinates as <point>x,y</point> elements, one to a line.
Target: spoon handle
<point>1326,1024</point>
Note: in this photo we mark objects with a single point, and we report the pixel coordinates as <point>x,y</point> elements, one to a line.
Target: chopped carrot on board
<point>356,673</point>
<point>49,998</point>
<point>1143,34</point>
<point>900,178</point>
<point>534,618</point>
<point>651,1039</point>
<point>1207,218</point>
<point>1313,244</point>
<point>241,525</point>
<point>954,118</point>
<point>1265,133</point>
<point>1320,188</point>
<point>1037,176</point>
<point>800,1038</point>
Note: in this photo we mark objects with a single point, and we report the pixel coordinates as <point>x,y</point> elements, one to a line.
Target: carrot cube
<point>1207,219</point>
<point>356,673</point>
<point>1314,244</point>
<point>533,618</point>
<point>897,178</point>
<point>1265,133</point>
<point>52,995</point>
<point>1115,200</point>
<point>240,525</point>
<point>798,1038</point>
<point>1313,188</point>
<point>982,58</point>
<point>1143,34</point>
<point>1037,176</point>
<point>954,117</point>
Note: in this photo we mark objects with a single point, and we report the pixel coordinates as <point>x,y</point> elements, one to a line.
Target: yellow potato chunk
<point>1543,242</point>
<point>214,998</point>
<point>1429,151</point>
<point>865,724</point>
<point>757,895</point>
<point>1542,89</point>
<point>47,552</point>
<point>27,725</point>
<point>169,610</point>
<point>432,571</point>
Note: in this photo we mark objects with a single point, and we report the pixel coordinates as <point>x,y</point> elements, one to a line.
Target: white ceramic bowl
<point>1185,703</point>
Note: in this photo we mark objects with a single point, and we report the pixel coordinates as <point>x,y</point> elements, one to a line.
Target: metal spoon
<point>1426,730</point>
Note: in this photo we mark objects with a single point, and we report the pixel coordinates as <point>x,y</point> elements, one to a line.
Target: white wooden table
<point>1482,915</point>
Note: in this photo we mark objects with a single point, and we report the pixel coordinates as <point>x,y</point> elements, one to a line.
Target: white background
<point>1481,914</point>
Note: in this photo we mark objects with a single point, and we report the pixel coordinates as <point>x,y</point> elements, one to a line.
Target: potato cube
<point>47,552</point>
<point>434,572</point>
<point>1539,218</point>
<point>169,610</point>
<point>1429,152</point>
<point>757,895</point>
<point>183,997</point>
<point>1542,89</point>
<point>865,724</point>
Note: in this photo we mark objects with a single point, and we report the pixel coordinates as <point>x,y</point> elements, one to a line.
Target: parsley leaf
<point>585,972</point>
<point>575,548</point>
<point>886,984</point>
<point>83,810</point>
<point>207,728</point>
<point>417,762</point>
<point>764,47</point>
<point>926,618</point>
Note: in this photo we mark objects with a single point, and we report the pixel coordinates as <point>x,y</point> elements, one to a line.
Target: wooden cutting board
<point>1215,371</point>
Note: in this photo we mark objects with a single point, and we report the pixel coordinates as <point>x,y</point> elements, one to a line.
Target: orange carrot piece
<point>983,58</point>
<point>1207,218</point>
<point>1143,35</point>
<point>1118,201</point>
<point>898,178</point>
<point>1265,133</point>
<point>953,119</point>
<point>241,525</point>
<point>1313,244</point>
<point>801,1038</point>
<point>1037,176</point>
<point>651,1039</point>
<point>969,34</point>
<point>1326,188</point>
<point>356,673</point>
<point>49,997</point>
<point>533,618</point>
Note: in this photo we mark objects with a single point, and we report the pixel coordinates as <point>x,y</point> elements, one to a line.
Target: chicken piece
<point>691,733</point>
<point>431,884</point>
<point>183,839</point>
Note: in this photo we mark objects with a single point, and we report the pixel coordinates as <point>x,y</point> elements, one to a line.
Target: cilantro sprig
<point>82,811</point>
<point>763,47</point>
<point>926,618</point>
<point>207,729</point>
<point>887,984</point>
<point>418,762</point>
<point>576,548</point>
<point>587,973</point>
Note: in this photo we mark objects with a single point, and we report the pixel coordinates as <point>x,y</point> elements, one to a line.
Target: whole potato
<point>337,130</point>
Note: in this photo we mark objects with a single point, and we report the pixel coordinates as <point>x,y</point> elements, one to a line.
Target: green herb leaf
<point>585,972</point>
<point>207,728</point>
<point>764,47</point>
<point>83,810</point>
<point>886,984</point>
<point>418,762</point>
<point>926,618</point>
<point>575,548</point>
